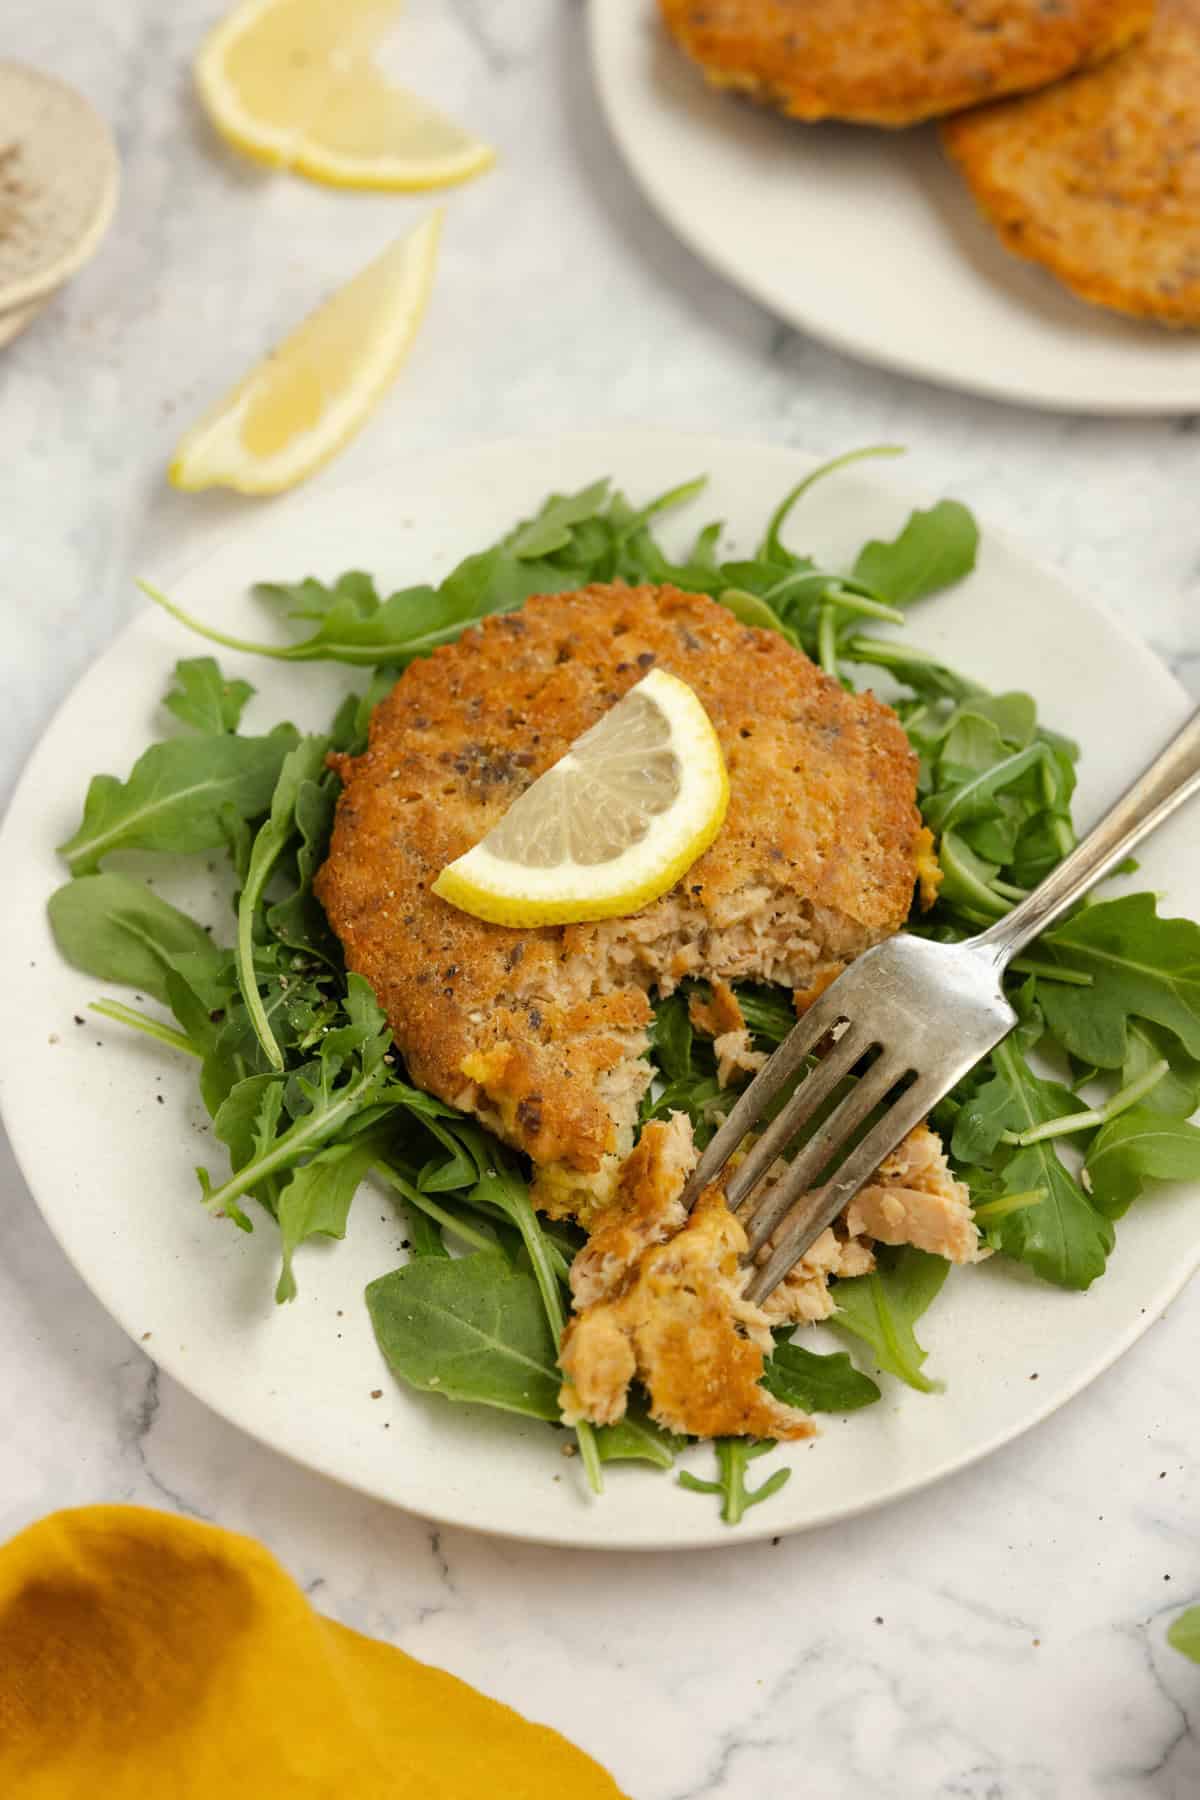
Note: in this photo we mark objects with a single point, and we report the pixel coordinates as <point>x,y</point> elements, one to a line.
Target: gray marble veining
<point>1000,1638</point>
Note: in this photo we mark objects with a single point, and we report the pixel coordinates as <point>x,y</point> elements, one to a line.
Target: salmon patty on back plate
<point>895,62</point>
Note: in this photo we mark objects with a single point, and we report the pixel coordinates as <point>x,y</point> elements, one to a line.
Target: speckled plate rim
<point>868,241</point>
<point>116,1190</point>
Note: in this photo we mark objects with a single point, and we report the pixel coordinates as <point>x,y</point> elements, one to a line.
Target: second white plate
<point>868,240</point>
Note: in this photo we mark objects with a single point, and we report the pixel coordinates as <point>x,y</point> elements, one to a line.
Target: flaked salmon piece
<point>660,1297</point>
<point>804,1297</point>
<point>719,1012</point>
<point>720,1018</point>
<point>915,1199</point>
<point>736,1055</point>
<point>647,1209</point>
<point>682,1325</point>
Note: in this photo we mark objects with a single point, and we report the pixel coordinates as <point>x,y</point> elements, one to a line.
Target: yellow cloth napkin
<point>143,1655</point>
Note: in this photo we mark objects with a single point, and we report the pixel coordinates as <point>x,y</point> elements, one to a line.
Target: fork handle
<point>1172,778</point>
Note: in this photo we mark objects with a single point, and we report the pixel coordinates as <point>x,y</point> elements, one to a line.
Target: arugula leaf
<point>551,528</point>
<point>768,1013</point>
<point>671,1038</point>
<point>734,1455</point>
<point>202,697</point>
<point>935,549</point>
<point>424,1234</point>
<point>1140,965</point>
<point>246,1120</point>
<point>1043,1217</point>
<point>450,1173</point>
<point>752,609</point>
<point>1178,1093</point>
<point>117,929</point>
<point>816,1382</point>
<point>1136,1147</point>
<point>1184,1633</point>
<point>300,768</point>
<point>636,1438</point>
<point>772,549</point>
<point>1056,1229</point>
<point>299,919</point>
<point>572,539</point>
<point>354,593</point>
<point>882,1309</point>
<point>471,1329</point>
<point>501,1191</point>
<point>339,1092</point>
<point>317,1200</point>
<point>175,796</point>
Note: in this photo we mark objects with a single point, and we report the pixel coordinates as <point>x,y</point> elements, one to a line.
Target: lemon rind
<point>297,151</point>
<point>207,455</point>
<point>497,891</point>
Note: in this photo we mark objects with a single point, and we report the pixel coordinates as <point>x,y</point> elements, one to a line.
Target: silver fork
<point>926,1012</point>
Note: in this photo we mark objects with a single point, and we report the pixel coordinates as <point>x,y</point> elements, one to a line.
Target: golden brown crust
<point>895,62</point>
<point>1099,179</point>
<point>528,1026</point>
<point>646,1209</point>
<point>680,1324</point>
<point>720,1012</point>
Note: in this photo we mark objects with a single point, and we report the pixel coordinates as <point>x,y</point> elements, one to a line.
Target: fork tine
<point>803,1038</point>
<point>811,1090</point>
<point>814,1211</point>
<point>810,1160</point>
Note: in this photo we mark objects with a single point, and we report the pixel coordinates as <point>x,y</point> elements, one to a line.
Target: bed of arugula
<point>1057,1133</point>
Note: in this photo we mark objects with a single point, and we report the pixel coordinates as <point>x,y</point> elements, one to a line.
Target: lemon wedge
<point>294,83</point>
<point>308,397</point>
<point>611,826</point>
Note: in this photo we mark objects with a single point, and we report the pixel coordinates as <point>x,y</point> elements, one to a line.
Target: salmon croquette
<point>896,62</point>
<point>541,1032</point>
<point>1099,179</point>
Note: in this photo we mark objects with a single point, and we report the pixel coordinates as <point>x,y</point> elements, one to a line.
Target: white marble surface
<point>998,1639</point>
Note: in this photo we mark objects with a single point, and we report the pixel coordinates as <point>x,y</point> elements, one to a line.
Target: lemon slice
<point>308,397</point>
<point>611,826</point>
<point>294,83</point>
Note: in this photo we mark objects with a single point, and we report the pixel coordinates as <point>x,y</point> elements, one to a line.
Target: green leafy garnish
<point>1061,1235</point>
<point>1140,1146</point>
<point>636,1438</point>
<point>178,797</point>
<point>815,1382</point>
<point>201,696</point>
<point>336,1093</point>
<point>935,549</point>
<point>734,1455</point>
<point>300,768</point>
<point>1141,967</point>
<point>470,1329</point>
<point>316,1200</point>
<point>883,1309</point>
<point>117,929</point>
<point>1184,1633</point>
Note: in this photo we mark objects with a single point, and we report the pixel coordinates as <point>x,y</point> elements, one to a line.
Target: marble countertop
<point>1001,1638</point>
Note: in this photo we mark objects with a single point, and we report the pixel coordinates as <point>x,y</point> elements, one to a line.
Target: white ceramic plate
<point>868,239</point>
<point>112,1169</point>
